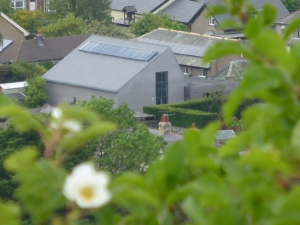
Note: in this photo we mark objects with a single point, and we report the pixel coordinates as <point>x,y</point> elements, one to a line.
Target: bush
<point>182,117</point>
<point>20,71</point>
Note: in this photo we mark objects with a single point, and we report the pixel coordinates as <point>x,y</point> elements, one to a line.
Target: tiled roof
<point>180,37</point>
<point>281,9</point>
<point>182,45</point>
<point>10,53</point>
<point>184,11</point>
<point>53,49</point>
<point>287,19</point>
<point>142,6</point>
<point>233,69</point>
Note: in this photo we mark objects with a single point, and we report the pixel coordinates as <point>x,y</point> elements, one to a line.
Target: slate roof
<point>184,11</point>
<point>142,6</point>
<point>287,19</point>
<point>281,9</point>
<point>180,37</point>
<point>101,72</point>
<point>10,53</point>
<point>53,49</point>
<point>233,69</point>
<point>182,45</point>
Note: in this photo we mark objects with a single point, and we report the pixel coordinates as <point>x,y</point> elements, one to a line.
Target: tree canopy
<point>130,148</point>
<point>151,22</point>
<point>35,92</point>
<point>291,5</point>
<point>20,71</point>
<point>31,21</point>
<point>69,25</point>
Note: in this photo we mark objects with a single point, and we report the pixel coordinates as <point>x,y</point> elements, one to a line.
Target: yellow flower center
<point>87,193</point>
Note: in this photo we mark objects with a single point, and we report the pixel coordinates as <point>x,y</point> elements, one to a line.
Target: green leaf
<point>253,27</point>
<point>22,119</point>
<point>42,185</point>
<point>21,161</point>
<point>80,139</point>
<point>256,158</point>
<point>224,48</point>
<point>291,28</point>
<point>9,214</point>
<point>264,43</point>
<point>269,14</point>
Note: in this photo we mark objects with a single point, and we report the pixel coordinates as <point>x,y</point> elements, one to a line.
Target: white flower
<point>72,125</point>
<point>56,113</point>
<point>87,187</point>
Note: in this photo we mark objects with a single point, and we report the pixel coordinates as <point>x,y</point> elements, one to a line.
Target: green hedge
<point>182,117</point>
<point>192,111</point>
<point>195,104</point>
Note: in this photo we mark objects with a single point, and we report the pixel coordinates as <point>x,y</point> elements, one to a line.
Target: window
<point>211,21</point>
<point>201,73</point>
<point>184,69</point>
<point>18,5</point>
<point>161,80</point>
<point>282,29</point>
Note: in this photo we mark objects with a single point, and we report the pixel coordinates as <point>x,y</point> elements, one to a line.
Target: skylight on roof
<point>4,44</point>
<point>118,51</point>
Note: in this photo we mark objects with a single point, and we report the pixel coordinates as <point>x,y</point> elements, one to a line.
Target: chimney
<point>39,39</point>
<point>164,126</point>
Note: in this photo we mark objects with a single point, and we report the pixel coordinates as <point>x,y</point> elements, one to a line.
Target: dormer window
<point>282,29</point>
<point>211,21</point>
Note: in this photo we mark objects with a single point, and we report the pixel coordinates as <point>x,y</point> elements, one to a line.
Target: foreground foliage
<point>250,180</point>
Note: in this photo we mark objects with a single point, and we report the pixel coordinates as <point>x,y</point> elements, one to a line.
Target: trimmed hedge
<point>182,117</point>
<point>192,111</point>
<point>194,104</point>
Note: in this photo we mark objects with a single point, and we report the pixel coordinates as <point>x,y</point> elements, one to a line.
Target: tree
<point>12,141</point>
<point>291,5</point>
<point>69,25</point>
<point>216,100</point>
<point>35,92</point>
<point>31,21</point>
<point>20,71</point>
<point>93,10</point>
<point>104,29</point>
<point>5,7</point>
<point>58,9</point>
<point>151,22</point>
<point>130,148</point>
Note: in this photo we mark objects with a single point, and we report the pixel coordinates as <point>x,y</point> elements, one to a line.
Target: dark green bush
<point>182,117</point>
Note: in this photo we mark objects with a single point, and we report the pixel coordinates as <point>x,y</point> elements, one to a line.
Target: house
<point>232,72</point>
<point>280,25</point>
<point>28,4</point>
<point>140,74</point>
<point>11,30</point>
<point>215,22</point>
<point>41,49</point>
<point>192,13</point>
<point>189,49</point>
<point>119,9</point>
<point>189,12</point>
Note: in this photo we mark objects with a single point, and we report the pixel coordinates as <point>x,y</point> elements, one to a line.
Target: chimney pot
<point>39,39</point>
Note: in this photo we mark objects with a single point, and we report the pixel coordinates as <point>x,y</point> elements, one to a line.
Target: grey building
<point>140,74</point>
<point>189,49</point>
